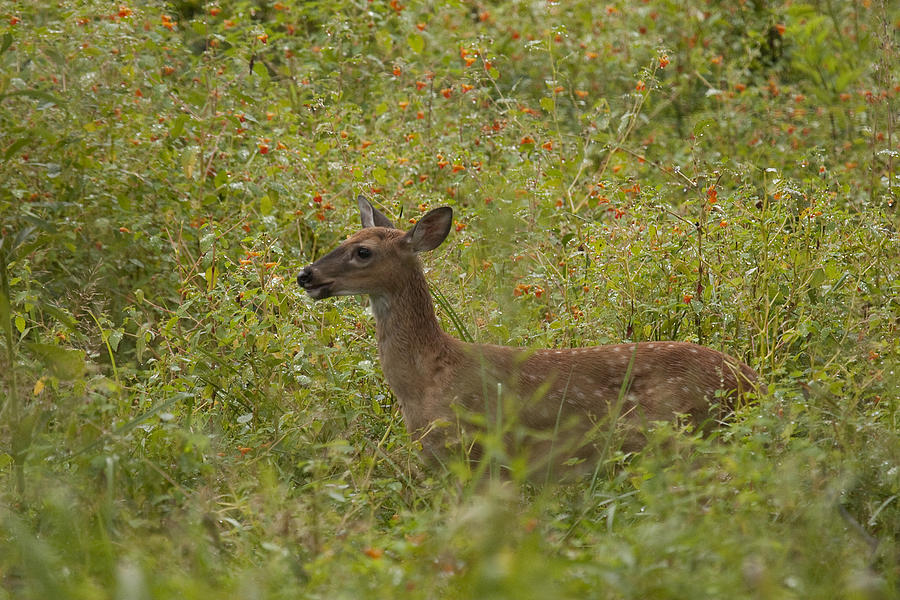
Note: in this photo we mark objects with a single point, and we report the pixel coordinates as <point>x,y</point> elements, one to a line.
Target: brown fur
<point>563,397</point>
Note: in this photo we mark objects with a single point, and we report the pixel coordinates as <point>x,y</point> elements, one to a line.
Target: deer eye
<point>363,252</point>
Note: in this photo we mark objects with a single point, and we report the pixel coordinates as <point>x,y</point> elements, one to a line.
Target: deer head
<point>368,261</point>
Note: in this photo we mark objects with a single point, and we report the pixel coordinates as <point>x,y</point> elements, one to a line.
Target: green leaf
<point>6,43</point>
<point>265,205</point>
<point>416,42</point>
<point>14,147</point>
<point>548,104</point>
<point>177,126</point>
<point>64,363</point>
<point>210,278</point>
<point>701,125</point>
<point>260,70</point>
<point>20,323</point>
<point>384,41</point>
<point>115,336</point>
<point>380,175</point>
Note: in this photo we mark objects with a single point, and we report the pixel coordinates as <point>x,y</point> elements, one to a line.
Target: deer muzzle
<point>310,281</point>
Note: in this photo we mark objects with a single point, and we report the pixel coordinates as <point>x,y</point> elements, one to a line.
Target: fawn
<point>560,397</point>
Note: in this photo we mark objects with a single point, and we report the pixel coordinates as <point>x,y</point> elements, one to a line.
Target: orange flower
<point>446,92</point>
<point>712,195</point>
<point>548,145</point>
<point>663,61</point>
<point>640,86</point>
<point>263,37</point>
<point>124,11</point>
<point>215,10</point>
<point>374,552</point>
<point>526,140</point>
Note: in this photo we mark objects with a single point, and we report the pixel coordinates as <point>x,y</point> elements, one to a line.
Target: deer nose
<point>305,277</point>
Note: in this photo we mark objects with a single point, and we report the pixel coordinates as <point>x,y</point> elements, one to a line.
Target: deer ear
<point>431,230</point>
<point>370,216</point>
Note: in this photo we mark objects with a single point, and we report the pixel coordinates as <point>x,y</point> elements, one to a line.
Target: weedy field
<point>179,420</point>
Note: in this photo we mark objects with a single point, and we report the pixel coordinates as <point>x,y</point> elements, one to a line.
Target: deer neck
<point>414,351</point>
<point>404,317</point>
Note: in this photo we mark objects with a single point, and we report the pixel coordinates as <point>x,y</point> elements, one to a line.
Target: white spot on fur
<point>651,346</point>
<point>694,350</point>
<point>579,394</point>
<point>616,348</point>
<point>670,346</point>
<point>685,388</point>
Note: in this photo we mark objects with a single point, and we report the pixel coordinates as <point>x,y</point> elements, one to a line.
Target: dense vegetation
<point>179,420</point>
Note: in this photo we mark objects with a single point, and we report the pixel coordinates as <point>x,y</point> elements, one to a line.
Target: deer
<point>561,397</point>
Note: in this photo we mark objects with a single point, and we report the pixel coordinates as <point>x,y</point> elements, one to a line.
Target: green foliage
<point>178,420</point>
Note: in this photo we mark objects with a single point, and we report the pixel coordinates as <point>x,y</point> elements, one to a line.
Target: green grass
<point>179,420</point>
